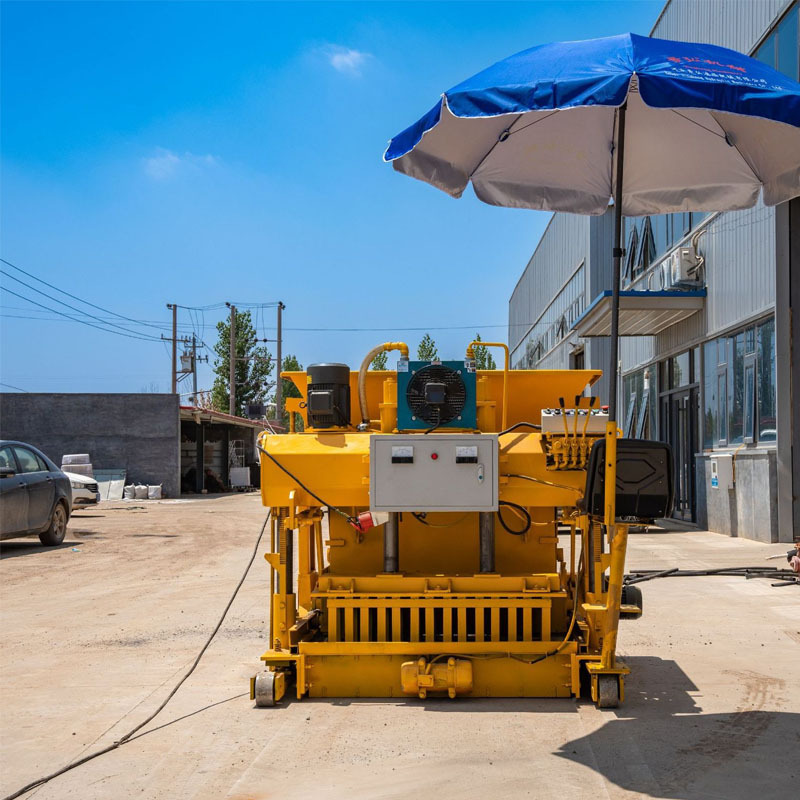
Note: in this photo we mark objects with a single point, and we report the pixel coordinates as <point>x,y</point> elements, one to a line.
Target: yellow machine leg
<point>614,597</point>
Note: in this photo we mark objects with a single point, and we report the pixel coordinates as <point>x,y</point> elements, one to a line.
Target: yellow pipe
<point>616,574</point>
<point>471,356</point>
<point>362,376</point>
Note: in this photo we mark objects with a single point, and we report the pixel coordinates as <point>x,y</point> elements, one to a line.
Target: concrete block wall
<point>749,510</point>
<point>136,432</point>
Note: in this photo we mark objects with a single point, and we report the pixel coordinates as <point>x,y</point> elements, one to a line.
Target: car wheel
<point>58,527</point>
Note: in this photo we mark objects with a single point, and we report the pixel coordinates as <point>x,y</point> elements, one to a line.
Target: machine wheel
<point>607,691</point>
<point>265,689</point>
<point>58,527</point>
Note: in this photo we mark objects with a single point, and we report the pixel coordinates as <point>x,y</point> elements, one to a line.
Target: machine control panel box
<point>553,420</point>
<point>433,472</point>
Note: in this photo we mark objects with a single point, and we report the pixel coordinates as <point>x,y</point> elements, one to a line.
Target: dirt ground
<point>97,631</point>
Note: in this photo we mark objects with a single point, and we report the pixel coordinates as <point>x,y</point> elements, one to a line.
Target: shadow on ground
<point>661,744</point>
<point>30,547</point>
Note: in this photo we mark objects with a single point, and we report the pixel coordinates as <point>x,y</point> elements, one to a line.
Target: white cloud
<point>345,59</point>
<point>166,164</point>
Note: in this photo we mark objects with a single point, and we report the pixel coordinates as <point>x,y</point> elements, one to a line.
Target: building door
<point>679,418</point>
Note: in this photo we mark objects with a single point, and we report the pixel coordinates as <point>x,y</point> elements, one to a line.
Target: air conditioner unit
<point>683,263</point>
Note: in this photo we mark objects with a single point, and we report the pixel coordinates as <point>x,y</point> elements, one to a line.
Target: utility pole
<point>174,308</point>
<point>194,369</point>
<point>232,392</point>
<point>278,381</point>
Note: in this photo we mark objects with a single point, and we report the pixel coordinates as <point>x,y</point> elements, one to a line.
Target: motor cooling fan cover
<point>455,395</point>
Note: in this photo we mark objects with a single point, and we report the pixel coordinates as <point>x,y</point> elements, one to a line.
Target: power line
<point>74,297</point>
<point>9,386</point>
<point>77,319</point>
<point>55,299</point>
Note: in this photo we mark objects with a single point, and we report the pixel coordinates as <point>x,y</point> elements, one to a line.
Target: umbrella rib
<point>724,135</point>
<point>695,122</point>
<point>732,142</point>
<point>486,155</point>
<point>524,127</point>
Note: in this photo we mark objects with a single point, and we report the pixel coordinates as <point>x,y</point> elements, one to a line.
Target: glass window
<point>766,52</point>
<point>788,50</point>
<point>710,395</point>
<point>7,459</point>
<point>679,367</point>
<point>767,425</point>
<point>28,462</point>
<point>750,340</point>
<point>749,400</point>
<point>696,378</point>
<point>722,407</point>
<point>736,424</point>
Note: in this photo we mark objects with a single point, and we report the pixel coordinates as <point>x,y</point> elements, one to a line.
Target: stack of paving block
<point>79,463</point>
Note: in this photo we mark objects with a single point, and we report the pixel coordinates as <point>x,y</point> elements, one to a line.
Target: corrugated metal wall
<point>737,24</point>
<point>561,249</point>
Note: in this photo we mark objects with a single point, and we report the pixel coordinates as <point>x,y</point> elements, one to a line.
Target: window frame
<point>42,466</point>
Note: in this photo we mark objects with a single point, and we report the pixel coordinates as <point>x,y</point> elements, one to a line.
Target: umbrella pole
<point>617,538</point>
<point>611,428</point>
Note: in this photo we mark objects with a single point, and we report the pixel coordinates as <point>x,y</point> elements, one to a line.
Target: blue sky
<point>196,153</point>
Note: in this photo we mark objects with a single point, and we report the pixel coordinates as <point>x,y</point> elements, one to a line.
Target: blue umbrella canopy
<point>706,128</point>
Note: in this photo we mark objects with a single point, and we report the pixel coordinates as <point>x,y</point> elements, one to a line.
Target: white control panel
<point>553,420</point>
<point>433,472</point>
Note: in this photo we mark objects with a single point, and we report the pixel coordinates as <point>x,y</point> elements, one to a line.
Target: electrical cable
<point>438,421</point>
<point>350,519</point>
<point>520,425</point>
<point>77,319</point>
<point>567,636</point>
<point>421,517</point>
<point>542,480</point>
<point>526,517</point>
<point>128,737</point>
<point>74,297</point>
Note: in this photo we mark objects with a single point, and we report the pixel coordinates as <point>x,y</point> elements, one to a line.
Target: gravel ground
<point>96,632</point>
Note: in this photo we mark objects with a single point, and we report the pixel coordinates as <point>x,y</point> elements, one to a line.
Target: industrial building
<point>710,362</point>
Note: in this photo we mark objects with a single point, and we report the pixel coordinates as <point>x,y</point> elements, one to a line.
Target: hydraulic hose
<point>362,376</point>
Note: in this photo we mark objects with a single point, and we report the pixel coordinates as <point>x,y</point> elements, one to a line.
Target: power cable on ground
<point>130,735</point>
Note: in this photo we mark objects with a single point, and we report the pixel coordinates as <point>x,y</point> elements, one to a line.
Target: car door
<point>41,487</point>
<point>13,496</point>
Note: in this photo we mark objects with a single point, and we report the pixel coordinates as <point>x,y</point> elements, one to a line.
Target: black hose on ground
<point>786,576</point>
<point>129,736</point>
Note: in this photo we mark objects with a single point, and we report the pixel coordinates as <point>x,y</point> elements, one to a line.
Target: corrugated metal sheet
<point>561,249</point>
<point>738,24</point>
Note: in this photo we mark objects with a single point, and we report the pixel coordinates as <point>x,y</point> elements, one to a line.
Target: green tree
<point>380,361</point>
<point>291,364</point>
<point>483,358</point>
<point>426,351</point>
<point>254,365</point>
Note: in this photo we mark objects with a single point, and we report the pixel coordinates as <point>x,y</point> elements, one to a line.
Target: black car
<point>35,495</point>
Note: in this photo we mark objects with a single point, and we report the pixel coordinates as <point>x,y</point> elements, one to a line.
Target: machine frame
<point>439,604</point>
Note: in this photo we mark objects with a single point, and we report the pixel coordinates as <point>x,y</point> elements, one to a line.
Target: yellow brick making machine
<point>469,550</point>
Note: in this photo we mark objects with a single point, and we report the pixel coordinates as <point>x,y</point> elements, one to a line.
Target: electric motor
<point>328,400</point>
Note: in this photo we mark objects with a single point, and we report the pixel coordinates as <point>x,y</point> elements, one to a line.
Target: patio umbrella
<point>650,125</point>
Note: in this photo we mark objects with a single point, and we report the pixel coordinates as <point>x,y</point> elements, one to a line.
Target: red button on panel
<point>434,456</point>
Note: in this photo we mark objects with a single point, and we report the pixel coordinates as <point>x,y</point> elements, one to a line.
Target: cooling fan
<point>438,394</point>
